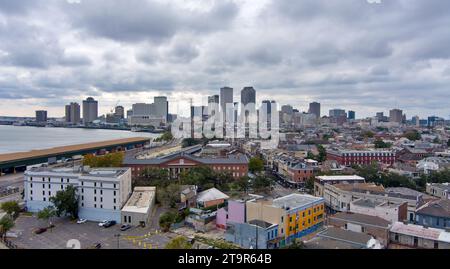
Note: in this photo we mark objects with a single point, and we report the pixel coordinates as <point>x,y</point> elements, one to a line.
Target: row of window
<point>368,154</point>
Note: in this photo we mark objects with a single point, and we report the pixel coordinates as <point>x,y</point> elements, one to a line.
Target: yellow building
<point>296,215</point>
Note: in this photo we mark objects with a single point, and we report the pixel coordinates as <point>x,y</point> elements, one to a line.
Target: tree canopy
<point>256,165</point>
<point>47,213</point>
<point>6,224</point>
<point>108,160</point>
<point>179,242</point>
<point>12,208</point>
<point>66,202</point>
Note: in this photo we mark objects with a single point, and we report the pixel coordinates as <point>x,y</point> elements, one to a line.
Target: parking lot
<point>88,234</point>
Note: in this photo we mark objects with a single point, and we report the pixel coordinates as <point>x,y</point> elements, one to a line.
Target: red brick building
<point>236,165</point>
<point>356,157</point>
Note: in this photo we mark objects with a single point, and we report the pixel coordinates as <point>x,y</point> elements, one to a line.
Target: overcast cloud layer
<point>343,53</point>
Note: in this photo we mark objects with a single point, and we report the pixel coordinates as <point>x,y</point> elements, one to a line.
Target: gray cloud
<point>348,54</point>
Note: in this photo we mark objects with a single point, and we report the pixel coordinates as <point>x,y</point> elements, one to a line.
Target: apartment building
<point>358,157</point>
<point>101,192</point>
<point>296,215</point>
<point>322,180</point>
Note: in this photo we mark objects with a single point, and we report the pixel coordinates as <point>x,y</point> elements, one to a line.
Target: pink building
<point>234,212</point>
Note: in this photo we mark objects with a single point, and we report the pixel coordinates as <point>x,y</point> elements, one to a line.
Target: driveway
<point>87,234</point>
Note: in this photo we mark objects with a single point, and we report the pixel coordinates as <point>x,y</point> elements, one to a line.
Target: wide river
<point>19,139</point>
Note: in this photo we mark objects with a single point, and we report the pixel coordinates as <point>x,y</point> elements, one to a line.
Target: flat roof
<point>295,200</point>
<point>420,231</point>
<point>10,157</point>
<point>141,200</point>
<point>361,218</point>
<point>108,172</point>
<point>340,178</point>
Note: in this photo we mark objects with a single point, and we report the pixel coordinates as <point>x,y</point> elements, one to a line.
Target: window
<point>82,190</point>
<point>129,219</point>
<point>436,245</point>
<point>101,206</point>
<point>101,192</point>
<point>44,199</point>
<point>101,199</point>
<point>31,198</point>
<point>282,218</point>
<point>68,180</point>
<point>95,184</point>
<point>345,226</point>
<point>62,180</point>
<point>290,219</point>
<point>416,242</point>
<point>114,200</point>
<point>95,191</point>
<point>43,193</point>
<point>49,186</point>
<point>43,186</point>
<point>125,219</point>
<point>95,199</point>
<point>115,207</point>
<point>49,193</point>
<point>31,178</point>
<point>82,183</point>
<point>363,229</point>
<point>31,185</point>
<point>114,193</point>
<point>114,186</point>
<point>82,204</point>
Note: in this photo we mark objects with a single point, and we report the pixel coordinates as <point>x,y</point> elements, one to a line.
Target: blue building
<point>435,214</point>
<point>256,234</point>
<point>351,115</point>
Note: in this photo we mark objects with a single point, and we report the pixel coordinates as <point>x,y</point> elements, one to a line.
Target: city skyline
<point>48,61</point>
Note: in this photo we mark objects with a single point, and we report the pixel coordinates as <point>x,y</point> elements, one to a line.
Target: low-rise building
<point>338,197</point>
<point>320,181</point>
<point>359,157</point>
<point>101,192</point>
<point>256,234</point>
<point>138,210</point>
<point>415,236</point>
<point>441,191</point>
<point>296,215</point>
<point>435,214</point>
<point>335,238</point>
<point>389,211</point>
<point>370,225</point>
<point>210,198</point>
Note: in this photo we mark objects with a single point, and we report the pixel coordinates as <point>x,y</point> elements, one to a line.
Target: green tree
<point>380,144</point>
<point>66,202</point>
<point>108,160</point>
<point>322,153</point>
<point>242,184</point>
<point>6,224</point>
<point>12,208</point>
<point>166,136</point>
<point>169,196</point>
<point>47,214</point>
<point>179,242</point>
<point>256,165</point>
<point>412,135</point>
<point>368,134</point>
<point>153,177</point>
<point>166,219</point>
<point>262,183</point>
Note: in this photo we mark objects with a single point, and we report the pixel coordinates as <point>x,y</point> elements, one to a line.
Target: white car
<point>81,221</point>
<point>102,223</point>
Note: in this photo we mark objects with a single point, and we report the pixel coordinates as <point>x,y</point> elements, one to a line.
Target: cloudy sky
<point>349,54</point>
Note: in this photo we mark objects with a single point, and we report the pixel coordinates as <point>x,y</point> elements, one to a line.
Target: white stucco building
<point>101,192</point>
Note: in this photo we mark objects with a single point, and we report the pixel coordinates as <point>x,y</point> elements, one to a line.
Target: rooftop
<point>359,239</point>
<point>211,195</point>
<point>420,231</point>
<point>295,200</point>
<point>439,208</point>
<point>261,223</point>
<point>79,171</point>
<point>360,218</point>
<point>340,178</point>
<point>361,187</point>
<point>141,199</point>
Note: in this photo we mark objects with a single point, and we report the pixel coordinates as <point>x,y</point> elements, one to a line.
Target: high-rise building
<point>90,110</point>
<point>335,113</point>
<point>226,98</point>
<point>73,113</point>
<point>314,108</point>
<point>248,96</point>
<point>351,115</point>
<point>41,116</point>
<point>396,115</point>
<point>287,109</point>
<point>416,121</point>
<point>161,107</point>
<point>214,99</point>
<point>141,109</point>
<point>119,112</point>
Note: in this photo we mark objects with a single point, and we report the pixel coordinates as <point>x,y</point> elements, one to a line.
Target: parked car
<point>125,227</point>
<point>40,231</point>
<point>109,224</point>
<point>101,224</point>
<point>81,221</point>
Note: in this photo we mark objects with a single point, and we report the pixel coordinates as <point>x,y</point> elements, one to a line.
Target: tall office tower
<point>314,108</point>
<point>335,113</point>
<point>214,99</point>
<point>73,113</point>
<point>161,107</point>
<point>129,113</point>
<point>41,116</point>
<point>287,109</point>
<point>396,115</point>
<point>248,96</point>
<point>416,121</point>
<point>119,112</point>
<point>266,107</point>
<point>90,110</point>
<point>351,115</point>
<point>141,109</point>
<point>226,97</point>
